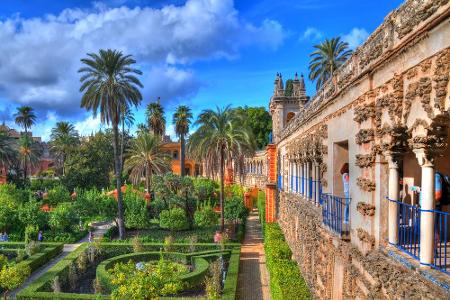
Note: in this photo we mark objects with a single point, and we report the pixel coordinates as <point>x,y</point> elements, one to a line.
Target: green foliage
<point>205,189</point>
<point>261,203</point>
<point>13,276</point>
<point>286,281</point>
<point>260,122</point>
<point>63,217</point>
<point>150,282</point>
<point>205,217</point>
<point>58,195</point>
<point>3,261</point>
<point>173,219</point>
<point>235,209</point>
<point>213,285</point>
<point>235,190</point>
<point>90,164</point>
<point>136,213</point>
<point>94,203</point>
<point>41,184</point>
<point>31,233</point>
<point>30,213</point>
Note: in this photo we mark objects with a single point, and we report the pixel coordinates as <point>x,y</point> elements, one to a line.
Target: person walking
<point>346,186</point>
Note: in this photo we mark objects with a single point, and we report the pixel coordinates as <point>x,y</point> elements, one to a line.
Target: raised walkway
<point>253,279</point>
<point>99,230</point>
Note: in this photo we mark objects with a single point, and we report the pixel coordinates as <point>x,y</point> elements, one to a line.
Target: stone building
<point>385,113</point>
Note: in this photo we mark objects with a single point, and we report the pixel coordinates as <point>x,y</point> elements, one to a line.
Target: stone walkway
<point>253,280</point>
<point>99,230</point>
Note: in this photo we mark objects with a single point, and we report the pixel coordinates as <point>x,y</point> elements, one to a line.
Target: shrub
<point>205,217</point>
<point>58,195</point>
<point>235,209</point>
<point>136,213</point>
<point>63,217</point>
<point>31,233</point>
<point>173,219</point>
<point>213,285</point>
<point>286,281</point>
<point>13,276</point>
<point>137,245</point>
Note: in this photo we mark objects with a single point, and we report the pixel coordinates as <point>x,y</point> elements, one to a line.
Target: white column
<point>317,178</point>
<point>393,193</point>
<point>307,174</point>
<point>427,203</point>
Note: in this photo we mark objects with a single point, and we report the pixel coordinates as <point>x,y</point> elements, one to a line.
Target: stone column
<point>307,174</point>
<point>393,194</point>
<point>317,179</point>
<point>427,203</point>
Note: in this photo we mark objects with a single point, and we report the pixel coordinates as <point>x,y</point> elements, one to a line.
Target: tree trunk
<point>122,143</point>
<point>182,155</point>
<point>222,166</point>
<point>147,177</point>
<point>118,171</point>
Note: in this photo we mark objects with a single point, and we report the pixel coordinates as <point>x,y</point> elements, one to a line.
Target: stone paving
<point>99,231</point>
<point>253,280</point>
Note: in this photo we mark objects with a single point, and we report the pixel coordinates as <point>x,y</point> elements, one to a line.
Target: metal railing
<point>336,213</point>
<point>296,184</point>
<point>280,182</point>
<point>441,228</point>
<point>408,219</point>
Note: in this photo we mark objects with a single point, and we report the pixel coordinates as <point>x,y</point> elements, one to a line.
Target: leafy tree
<point>220,138</point>
<point>173,219</point>
<point>259,121</point>
<point>146,158</point>
<point>326,59</point>
<point>182,118</point>
<point>30,152</point>
<point>63,217</point>
<point>110,85</point>
<point>57,195</point>
<point>25,117</point>
<point>8,149</point>
<point>155,118</point>
<point>289,89</point>
<point>136,213</point>
<point>64,138</point>
<point>30,213</point>
<point>235,210</point>
<point>205,217</point>
<point>13,276</point>
<point>90,164</point>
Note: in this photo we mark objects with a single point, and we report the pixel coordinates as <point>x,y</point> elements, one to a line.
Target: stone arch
<point>290,115</point>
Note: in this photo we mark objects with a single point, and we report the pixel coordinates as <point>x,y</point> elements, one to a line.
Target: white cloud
<point>41,56</point>
<point>311,34</point>
<point>88,125</point>
<point>355,37</point>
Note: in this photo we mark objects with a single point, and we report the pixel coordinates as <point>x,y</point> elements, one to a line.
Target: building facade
<point>350,176</point>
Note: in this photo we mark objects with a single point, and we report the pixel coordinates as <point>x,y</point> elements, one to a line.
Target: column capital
<point>393,159</point>
<point>424,157</point>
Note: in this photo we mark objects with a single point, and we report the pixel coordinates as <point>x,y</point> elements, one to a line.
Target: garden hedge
<point>49,251</point>
<point>286,281</point>
<point>232,250</point>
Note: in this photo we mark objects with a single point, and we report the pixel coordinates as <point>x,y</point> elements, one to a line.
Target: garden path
<point>100,229</point>
<point>253,279</point>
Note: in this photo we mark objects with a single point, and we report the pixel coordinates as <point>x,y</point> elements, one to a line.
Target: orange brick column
<point>271,186</point>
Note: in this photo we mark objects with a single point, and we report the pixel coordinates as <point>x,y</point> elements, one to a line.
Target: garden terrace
<point>102,256</point>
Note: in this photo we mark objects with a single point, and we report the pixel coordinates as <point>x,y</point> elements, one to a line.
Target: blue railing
<point>310,188</point>
<point>408,219</point>
<point>302,188</point>
<point>441,228</point>
<point>336,213</point>
<point>292,183</point>
<point>296,184</point>
<point>280,182</point>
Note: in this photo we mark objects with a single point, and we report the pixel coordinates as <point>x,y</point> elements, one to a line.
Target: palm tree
<point>64,137</point>
<point>155,118</point>
<point>109,84</point>
<point>25,117</point>
<point>221,137</point>
<point>29,151</point>
<point>182,119</point>
<point>326,59</point>
<point>146,158</point>
<point>128,120</point>
<point>8,149</point>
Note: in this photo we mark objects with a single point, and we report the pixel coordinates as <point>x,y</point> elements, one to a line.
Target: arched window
<point>289,116</point>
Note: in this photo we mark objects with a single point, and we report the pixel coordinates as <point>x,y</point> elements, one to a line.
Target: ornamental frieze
<point>364,112</point>
<point>365,184</point>
<point>364,136</point>
<point>365,209</point>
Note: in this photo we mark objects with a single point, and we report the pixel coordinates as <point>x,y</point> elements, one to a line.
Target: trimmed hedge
<point>286,281</point>
<point>38,259</point>
<point>36,290</point>
<point>261,203</point>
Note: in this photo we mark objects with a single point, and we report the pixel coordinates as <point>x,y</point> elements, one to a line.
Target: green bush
<point>63,218</point>
<point>286,281</point>
<point>235,210</point>
<point>261,202</point>
<point>57,195</point>
<point>173,219</point>
<point>136,212</point>
<point>205,217</point>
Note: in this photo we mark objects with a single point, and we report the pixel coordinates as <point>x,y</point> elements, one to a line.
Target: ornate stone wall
<point>323,257</point>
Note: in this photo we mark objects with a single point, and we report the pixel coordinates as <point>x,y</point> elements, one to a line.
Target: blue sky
<point>197,52</point>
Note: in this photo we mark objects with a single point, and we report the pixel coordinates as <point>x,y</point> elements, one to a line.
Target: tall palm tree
<point>8,149</point>
<point>128,120</point>
<point>109,83</point>
<point>326,59</point>
<point>30,152</point>
<point>155,118</point>
<point>25,117</point>
<point>63,139</point>
<point>221,137</point>
<point>146,158</point>
<point>182,118</point>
